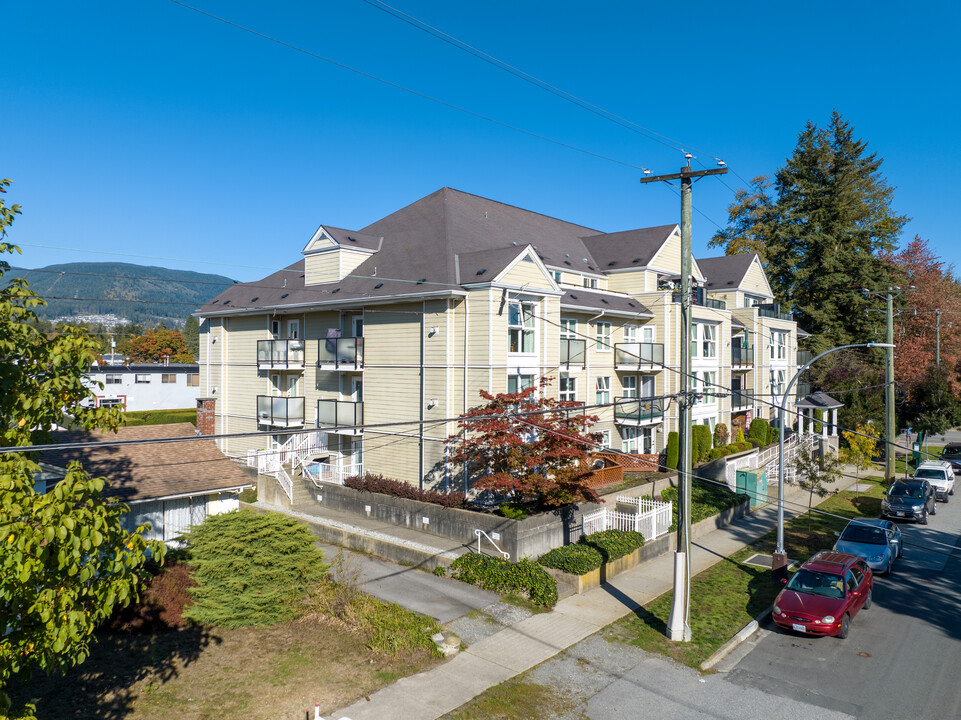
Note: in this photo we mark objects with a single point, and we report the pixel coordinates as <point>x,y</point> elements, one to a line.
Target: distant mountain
<point>139,293</point>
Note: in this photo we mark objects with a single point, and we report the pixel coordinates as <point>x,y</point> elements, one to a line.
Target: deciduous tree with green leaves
<point>66,559</point>
<point>815,473</point>
<point>862,445</point>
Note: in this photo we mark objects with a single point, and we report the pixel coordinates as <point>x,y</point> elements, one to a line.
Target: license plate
<point>798,627</point>
<point>899,514</point>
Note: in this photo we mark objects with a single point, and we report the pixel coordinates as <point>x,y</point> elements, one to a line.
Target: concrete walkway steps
<point>531,641</point>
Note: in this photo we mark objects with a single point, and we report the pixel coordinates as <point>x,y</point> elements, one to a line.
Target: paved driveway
<point>903,656</point>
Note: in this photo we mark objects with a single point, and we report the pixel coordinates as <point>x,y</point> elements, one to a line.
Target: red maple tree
<point>528,444</point>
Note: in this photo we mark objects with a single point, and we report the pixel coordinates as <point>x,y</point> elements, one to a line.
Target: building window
<point>630,333</point>
<point>567,391</point>
<point>604,330</point>
<point>556,274</point>
<point>113,380</point>
<point>141,379</point>
<point>605,439</point>
<point>703,340</point>
<point>168,378</point>
<point>777,345</point>
<point>602,390</point>
<point>709,387</point>
<point>520,327</point>
<point>629,385</point>
<point>517,383</point>
<point>778,378</point>
<point>629,439</point>
<point>753,301</point>
<point>193,380</point>
<point>590,282</point>
<point>647,440</point>
<point>568,328</point>
<point>110,402</point>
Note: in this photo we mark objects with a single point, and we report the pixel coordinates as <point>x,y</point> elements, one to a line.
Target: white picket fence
<point>652,519</point>
<point>331,473</point>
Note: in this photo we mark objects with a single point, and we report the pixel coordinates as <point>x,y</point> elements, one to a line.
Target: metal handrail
<point>478,533</point>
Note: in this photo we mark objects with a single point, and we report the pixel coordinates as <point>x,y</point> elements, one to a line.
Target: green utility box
<point>753,483</point>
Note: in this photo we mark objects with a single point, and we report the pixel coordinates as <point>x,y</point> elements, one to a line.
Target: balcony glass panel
<point>573,352</point>
<point>741,355</point>
<point>641,409</point>
<point>773,310</point>
<point>345,353</point>
<point>635,354</point>
<point>280,411</point>
<point>742,399</point>
<point>340,413</point>
<point>280,353</point>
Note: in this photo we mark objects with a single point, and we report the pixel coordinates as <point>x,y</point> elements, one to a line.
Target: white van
<point>941,476</point>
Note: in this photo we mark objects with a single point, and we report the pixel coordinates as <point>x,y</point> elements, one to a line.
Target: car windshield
<point>930,473</point>
<point>906,491</point>
<point>812,582</point>
<point>864,534</point>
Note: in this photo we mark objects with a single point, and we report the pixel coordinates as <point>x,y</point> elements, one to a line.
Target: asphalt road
<point>902,657</point>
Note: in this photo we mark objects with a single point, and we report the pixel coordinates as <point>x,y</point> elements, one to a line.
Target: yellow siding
<point>392,336</point>
<point>322,242</point>
<point>322,268</point>
<point>478,326</point>
<point>668,258</point>
<point>525,273</point>
<point>755,281</point>
<point>627,282</point>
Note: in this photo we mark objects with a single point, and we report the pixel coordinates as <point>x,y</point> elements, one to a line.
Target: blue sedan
<point>878,541</point>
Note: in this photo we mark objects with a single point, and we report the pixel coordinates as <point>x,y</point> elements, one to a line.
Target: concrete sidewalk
<point>531,641</point>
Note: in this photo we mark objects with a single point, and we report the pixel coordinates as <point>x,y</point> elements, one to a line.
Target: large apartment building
<point>384,335</point>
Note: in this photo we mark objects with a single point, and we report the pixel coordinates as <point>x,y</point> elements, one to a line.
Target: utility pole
<point>889,390</point>
<point>678,625</point>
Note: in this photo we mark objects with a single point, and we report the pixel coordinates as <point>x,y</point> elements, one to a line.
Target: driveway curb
<point>743,634</point>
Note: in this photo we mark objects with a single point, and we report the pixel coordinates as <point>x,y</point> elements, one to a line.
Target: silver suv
<point>941,476</point>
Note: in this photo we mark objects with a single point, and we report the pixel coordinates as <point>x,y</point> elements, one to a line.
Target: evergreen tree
<point>191,333</point>
<point>824,233</point>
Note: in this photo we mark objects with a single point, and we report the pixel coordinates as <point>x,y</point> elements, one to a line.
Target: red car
<point>824,594</point>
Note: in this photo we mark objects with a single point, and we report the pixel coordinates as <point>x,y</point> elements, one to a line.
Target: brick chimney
<point>206,414</point>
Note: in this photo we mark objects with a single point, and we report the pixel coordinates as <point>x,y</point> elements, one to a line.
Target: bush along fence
<point>594,559</point>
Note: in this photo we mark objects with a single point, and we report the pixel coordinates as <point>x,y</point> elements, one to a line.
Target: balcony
<point>335,473</point>
<point>742,357</point>
<point>742,399</point>
<point>341,417</point>
<point>573,352</point>
<point>638,411</point>
<point>773,310</point>
<point>280,354</point>
<point>340,353</point>
<point>280,411</point>
<point>699,297</point>
<point>637,355</point>
<point>803,357</point>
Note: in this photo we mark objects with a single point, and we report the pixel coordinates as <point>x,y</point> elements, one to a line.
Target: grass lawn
<point>160,417</point>
<point>728,595</point>
<point>518,699</point>
<point>198,673</point>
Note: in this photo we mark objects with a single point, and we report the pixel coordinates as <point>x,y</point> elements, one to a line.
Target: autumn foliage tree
<point>157,346</point>
<point>528,444</point>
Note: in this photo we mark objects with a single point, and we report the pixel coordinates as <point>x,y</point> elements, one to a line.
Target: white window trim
<point>603,343</point>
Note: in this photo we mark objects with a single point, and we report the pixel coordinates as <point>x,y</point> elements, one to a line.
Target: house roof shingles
<point>150,470</point>
<point>727,271</point>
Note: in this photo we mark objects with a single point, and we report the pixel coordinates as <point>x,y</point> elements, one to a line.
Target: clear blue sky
<point>144,132</point>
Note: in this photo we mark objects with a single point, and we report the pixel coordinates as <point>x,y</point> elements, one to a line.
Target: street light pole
<point>779,561</point>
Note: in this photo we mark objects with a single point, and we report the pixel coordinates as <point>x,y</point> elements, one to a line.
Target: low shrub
<point>720,435</point>
<point>163,600</point>
<point>574,559</point>
<point>718,452</point>
<point>739,438</point>
<point>513,511</point>
<point>160,417</point>
<point>614,544</point>
<point>503,576</point>
<point>707,500</point>
<point>251,568</point>
<point>371,482</point>
<point>759,431</point>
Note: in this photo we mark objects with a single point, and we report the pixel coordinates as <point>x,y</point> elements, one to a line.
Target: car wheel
<point>946,498</point>
<point>951,492</point>
<point>890,566</point>
<point>900,550</point>
<point>934,508</point>
<point>924,517</point>
<point>870,600</point>
<point>845,627</point>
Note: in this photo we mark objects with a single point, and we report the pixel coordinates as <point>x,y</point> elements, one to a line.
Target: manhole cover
<point>759,560</point>
<point>864,654</point>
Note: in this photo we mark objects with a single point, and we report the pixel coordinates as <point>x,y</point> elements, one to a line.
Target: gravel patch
<point>480,624</point>
<point>506,613</point>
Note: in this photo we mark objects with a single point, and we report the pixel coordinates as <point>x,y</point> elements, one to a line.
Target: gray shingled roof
<point>151,470</point>
<point>592,300</point>
<point>819,401</point>
<point>352,238</point>
<point>424,243</point>
<point>630,248</point>
<point>725,272</point>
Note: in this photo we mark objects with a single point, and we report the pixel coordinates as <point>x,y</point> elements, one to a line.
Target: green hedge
<point>574,559</point>
<point>160,417</point>
<point>673,450</point>
<point>499,575</point>
<point>702,440</point>
<point>614,544</point>
<point>759,431</point>
<point>707,500</point>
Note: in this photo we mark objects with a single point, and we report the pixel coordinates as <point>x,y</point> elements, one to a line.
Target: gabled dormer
<point>509,268</point>
<point>334,253</point>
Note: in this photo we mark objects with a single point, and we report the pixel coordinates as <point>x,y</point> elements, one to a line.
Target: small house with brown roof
<point>168,475</point>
